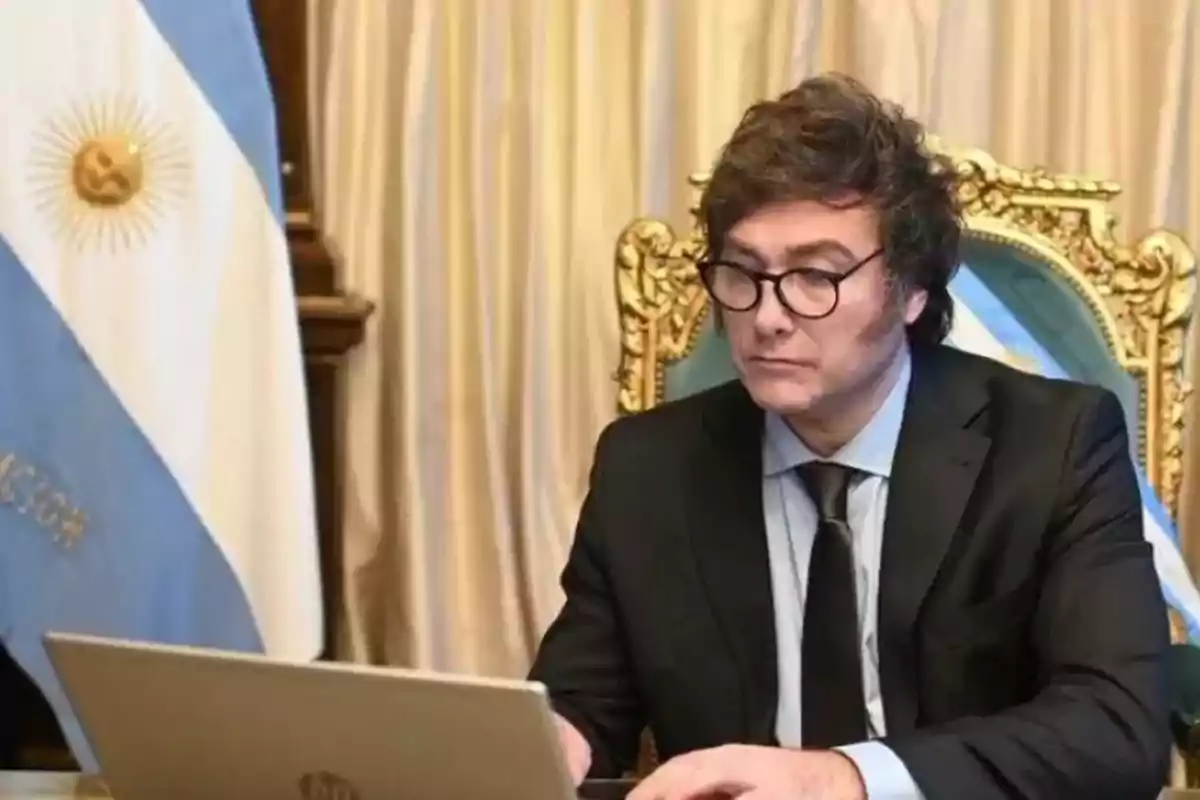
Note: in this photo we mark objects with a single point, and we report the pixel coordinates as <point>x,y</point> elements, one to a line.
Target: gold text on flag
<point>27,491</point>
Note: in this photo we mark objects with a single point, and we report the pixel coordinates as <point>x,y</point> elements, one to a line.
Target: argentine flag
<point>155,471</point>
<point>984,325</point>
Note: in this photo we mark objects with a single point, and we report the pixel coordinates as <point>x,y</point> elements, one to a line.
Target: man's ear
<point>914,304</point>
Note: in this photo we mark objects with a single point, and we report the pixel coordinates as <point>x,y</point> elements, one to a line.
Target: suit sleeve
<point>582,658</point>
<point>1098,727</point>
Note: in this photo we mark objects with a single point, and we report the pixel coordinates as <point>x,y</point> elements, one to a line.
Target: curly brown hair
<point>831,138</point>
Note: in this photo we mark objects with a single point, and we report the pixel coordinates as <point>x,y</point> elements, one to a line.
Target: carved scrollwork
<point>661,302</point>
<point>1141,295</point>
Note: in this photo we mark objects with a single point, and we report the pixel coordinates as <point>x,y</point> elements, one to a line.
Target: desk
<point>70,786</point>
<point>50,786</point>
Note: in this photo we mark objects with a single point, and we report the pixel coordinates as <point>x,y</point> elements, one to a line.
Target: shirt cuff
<point>883,773</point>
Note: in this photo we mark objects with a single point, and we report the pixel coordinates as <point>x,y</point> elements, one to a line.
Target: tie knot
<point>827,484</point>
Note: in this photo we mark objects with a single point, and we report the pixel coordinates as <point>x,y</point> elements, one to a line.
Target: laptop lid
<point>185,723</point>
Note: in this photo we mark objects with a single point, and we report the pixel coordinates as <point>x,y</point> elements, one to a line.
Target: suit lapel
<point>728,536</point>
<point>937,461</point>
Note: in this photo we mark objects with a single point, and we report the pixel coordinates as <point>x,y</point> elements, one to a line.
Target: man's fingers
<point>755,794</point>
<point>657,783</point>
<point>649,788</point>
<point>692,789</point>
<point>576,749</point>
<point>695,780</point>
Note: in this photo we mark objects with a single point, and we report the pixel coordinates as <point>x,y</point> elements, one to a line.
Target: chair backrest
<point>1108,313</point>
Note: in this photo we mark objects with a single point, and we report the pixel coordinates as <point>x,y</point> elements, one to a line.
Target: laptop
<point>194,724</point>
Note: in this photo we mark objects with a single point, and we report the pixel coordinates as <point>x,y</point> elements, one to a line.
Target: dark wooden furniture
<point>332,323</point>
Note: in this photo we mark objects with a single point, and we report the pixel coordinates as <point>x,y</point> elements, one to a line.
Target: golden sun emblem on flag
<point>106,174</point>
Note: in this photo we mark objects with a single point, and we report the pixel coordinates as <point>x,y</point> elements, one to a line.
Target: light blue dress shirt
<point>791,522</point>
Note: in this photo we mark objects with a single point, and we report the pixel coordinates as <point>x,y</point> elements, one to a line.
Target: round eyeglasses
<point>807,292</point>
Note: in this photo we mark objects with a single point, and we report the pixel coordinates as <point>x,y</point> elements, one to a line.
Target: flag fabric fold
<point>983,324</point>
<point>155,467</point>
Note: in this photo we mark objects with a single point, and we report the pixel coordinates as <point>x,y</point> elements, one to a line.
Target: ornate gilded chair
<point>1108,313</point>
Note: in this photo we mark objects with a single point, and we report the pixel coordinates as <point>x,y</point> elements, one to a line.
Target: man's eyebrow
<point>821,247</point>
<point>817,247</point>
<point>743,249</point>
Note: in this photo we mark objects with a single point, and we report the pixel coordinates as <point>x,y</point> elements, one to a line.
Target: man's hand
<point>576,749</point>
<point>754,773</point>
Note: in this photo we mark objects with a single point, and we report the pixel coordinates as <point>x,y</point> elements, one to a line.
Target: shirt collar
<point>871,450</point>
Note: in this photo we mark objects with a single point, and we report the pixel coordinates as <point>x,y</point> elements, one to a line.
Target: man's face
<point>797,366</point>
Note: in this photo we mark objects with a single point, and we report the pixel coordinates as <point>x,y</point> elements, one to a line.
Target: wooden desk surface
<point>47,785</point>
<point>71,786</point>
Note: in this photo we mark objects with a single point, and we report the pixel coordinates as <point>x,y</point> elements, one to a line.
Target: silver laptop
<point>188,723</point>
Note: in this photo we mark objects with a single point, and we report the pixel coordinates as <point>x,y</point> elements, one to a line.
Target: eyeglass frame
<point>705,267</point>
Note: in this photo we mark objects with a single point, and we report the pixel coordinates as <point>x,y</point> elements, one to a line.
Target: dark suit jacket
<point>1022,626</point>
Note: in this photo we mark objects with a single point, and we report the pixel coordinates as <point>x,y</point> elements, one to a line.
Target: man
<point>874,566</point>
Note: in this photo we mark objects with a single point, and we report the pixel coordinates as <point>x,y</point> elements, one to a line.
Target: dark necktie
<point>833,711</point>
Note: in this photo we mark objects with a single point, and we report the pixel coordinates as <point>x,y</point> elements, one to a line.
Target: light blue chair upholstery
<point>1057,316</point>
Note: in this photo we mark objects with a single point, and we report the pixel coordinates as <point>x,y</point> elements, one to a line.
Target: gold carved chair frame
<point>1140,296</point>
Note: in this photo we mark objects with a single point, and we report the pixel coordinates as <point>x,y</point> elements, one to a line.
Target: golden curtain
<point>476,160</point>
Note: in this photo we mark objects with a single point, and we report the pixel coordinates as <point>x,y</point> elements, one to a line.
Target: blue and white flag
<point>155,471</point>
<point>983,324</point>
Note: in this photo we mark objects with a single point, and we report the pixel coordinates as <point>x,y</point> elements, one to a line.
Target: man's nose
<point>771,317</point>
